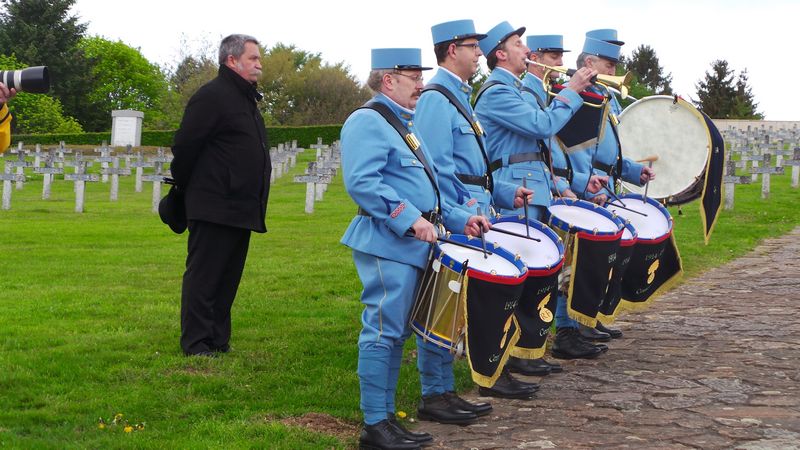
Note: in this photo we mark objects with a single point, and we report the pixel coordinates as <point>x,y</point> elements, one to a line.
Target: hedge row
<point>305,136</point>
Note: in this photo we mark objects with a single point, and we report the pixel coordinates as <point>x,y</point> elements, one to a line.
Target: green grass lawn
<point>89,321</point>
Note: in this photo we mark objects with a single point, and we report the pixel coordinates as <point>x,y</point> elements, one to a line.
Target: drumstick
<point>647,185</point>
<point>651,159</point>
<point>627,209</point>
<point>613,194</point>
<point>511,233</point>
<point>461,244</point>
<point>525,185</point>
<point>483,237</point>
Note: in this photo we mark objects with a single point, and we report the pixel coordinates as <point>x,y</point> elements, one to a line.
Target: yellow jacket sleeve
<point>5,128</point>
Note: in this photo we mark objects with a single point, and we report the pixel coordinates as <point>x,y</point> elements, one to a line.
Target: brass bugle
<point>621,83</point>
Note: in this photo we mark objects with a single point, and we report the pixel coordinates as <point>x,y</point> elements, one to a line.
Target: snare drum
<point>611,305</point>
<point>466,295</point>
<point>655,263</point>
<point>544,259</point>
<point>592,236</point>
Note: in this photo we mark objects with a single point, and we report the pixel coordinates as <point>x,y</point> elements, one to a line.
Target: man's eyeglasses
<point>414,78</point>
<point>473,45</point>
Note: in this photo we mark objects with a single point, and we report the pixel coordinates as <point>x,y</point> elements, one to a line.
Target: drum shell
<point>590,256</point>
<point>535,310</point>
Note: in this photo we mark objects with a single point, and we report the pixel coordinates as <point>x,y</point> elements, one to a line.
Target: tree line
<point>91,76</point>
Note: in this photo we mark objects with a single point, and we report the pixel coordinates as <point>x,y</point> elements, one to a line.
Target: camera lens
<point>35,80</point>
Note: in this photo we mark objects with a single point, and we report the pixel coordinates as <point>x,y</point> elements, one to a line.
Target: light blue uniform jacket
<point>559,160</point>
<point>606,153</point>
<point>513,125</point>
<point>386,180</point>
<point>451,142</point>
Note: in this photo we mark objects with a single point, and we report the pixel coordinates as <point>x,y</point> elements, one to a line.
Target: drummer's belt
<point>477,180</point>
<point>563,173</point>
<point>607,168</point>
<point>431,216</point>
<point>516,158</point>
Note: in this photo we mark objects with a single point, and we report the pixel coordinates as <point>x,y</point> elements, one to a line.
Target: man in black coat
<point>222,164</point>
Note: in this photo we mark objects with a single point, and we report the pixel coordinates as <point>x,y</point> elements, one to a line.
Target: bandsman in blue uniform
<point>397,194</point>
<point>549,50</point>
<point>514,127</point>
<point>452,133</point>
<point>600,52</point>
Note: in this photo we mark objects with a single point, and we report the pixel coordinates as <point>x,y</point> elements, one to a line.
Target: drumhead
<point>584,219</point>
<point>676,132</point>
<point>545,253</point>
<point>656,225</point>
<point>494,263</point>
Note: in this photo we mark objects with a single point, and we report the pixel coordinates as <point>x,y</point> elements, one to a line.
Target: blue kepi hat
<point>602,49</point>
<point>546,43</point>
<point>456,30</point>
<point>605,34</point>
<point>497,36</point>
<point>397,58</point>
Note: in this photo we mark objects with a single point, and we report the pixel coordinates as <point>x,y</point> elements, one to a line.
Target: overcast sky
<point>686,35</point>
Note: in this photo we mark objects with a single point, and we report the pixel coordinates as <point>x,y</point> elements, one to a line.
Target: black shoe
<point>531,367</point>
<point>522,384</point>
<point>384,436</point>
<point>419,438</point>
<point>480,409</point>
<point>508,387</point>
<point>569,345</point>
<point>615,333</point>
<point>437,408</point>
<point>603,347</point>
<point>223,349</point>
<point>554,367</point>
<point>593,334</point>
<point>205,354</point>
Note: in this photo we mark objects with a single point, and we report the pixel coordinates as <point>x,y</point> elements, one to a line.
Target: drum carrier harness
<point>413,144</point>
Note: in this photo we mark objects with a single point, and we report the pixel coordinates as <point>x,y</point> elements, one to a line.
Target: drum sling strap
<point>476,127</point>
<point>613,170</point>
<point>517,157</point>
<point>557,171</point>
<point>408,137</point>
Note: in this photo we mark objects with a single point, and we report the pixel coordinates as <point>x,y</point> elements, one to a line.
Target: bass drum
<point>678,134</point>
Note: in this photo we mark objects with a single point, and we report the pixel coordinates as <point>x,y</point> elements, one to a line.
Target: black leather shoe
<point>530,367</point>
<point>517,382</point>
<point>593,334</point>
<point>508,387</point>
<point>384,436</point>
<point>437,408</point>
<point>615,333</point>
<point>554,367</point>
<point>205,354</point>
<point>419,438</point>
<point>480,409</point>
<point>569,345</point>
<point>224,349</point>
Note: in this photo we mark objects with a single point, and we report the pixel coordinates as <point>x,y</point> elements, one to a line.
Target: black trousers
<point>214,267</point>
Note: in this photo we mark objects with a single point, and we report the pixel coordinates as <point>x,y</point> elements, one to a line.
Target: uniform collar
<point>452,82</point>
<point>400,111</point>
<point>505,76</point>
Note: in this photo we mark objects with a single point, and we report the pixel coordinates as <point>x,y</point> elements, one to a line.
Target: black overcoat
<point>221,154</point>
